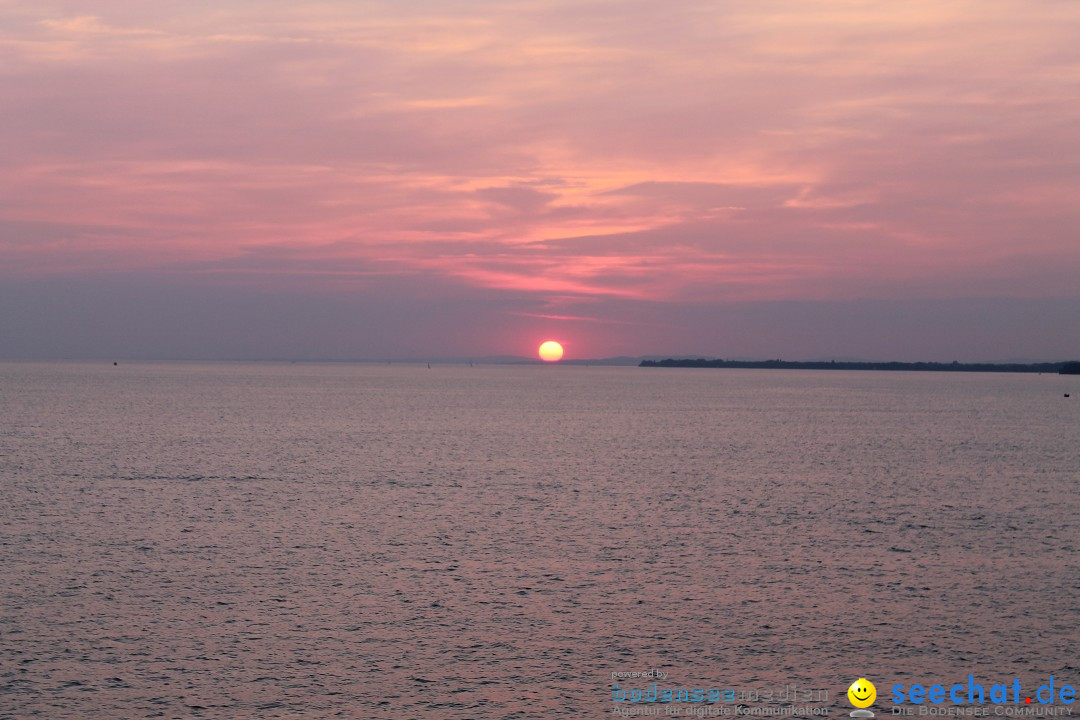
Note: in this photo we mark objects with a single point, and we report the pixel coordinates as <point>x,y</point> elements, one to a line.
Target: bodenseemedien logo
<point>861,694</point>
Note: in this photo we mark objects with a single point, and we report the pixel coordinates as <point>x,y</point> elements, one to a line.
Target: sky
<point>341,179</point>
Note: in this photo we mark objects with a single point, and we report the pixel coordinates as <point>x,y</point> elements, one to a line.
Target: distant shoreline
<point>1062,368</point>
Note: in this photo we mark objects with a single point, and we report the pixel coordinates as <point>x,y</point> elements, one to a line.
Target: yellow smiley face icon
<point>862,693</point>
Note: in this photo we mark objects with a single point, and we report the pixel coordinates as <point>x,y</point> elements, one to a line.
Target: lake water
<point>364,541</point>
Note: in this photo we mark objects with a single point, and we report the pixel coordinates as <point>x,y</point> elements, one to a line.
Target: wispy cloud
<point>704,153</point>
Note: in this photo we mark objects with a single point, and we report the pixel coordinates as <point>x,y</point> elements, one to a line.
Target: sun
<point>550,351</point>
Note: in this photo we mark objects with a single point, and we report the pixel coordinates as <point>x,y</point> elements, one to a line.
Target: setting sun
<point>550,351</point>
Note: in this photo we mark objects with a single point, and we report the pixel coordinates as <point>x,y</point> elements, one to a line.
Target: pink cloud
<point>764,151</point>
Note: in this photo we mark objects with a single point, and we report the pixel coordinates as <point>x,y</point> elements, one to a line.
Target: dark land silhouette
<point>1063,368</point>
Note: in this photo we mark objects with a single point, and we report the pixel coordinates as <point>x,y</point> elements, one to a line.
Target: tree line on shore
<point>1063,368</point>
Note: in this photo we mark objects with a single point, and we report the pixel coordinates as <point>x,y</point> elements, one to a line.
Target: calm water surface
<point>282,541</point>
